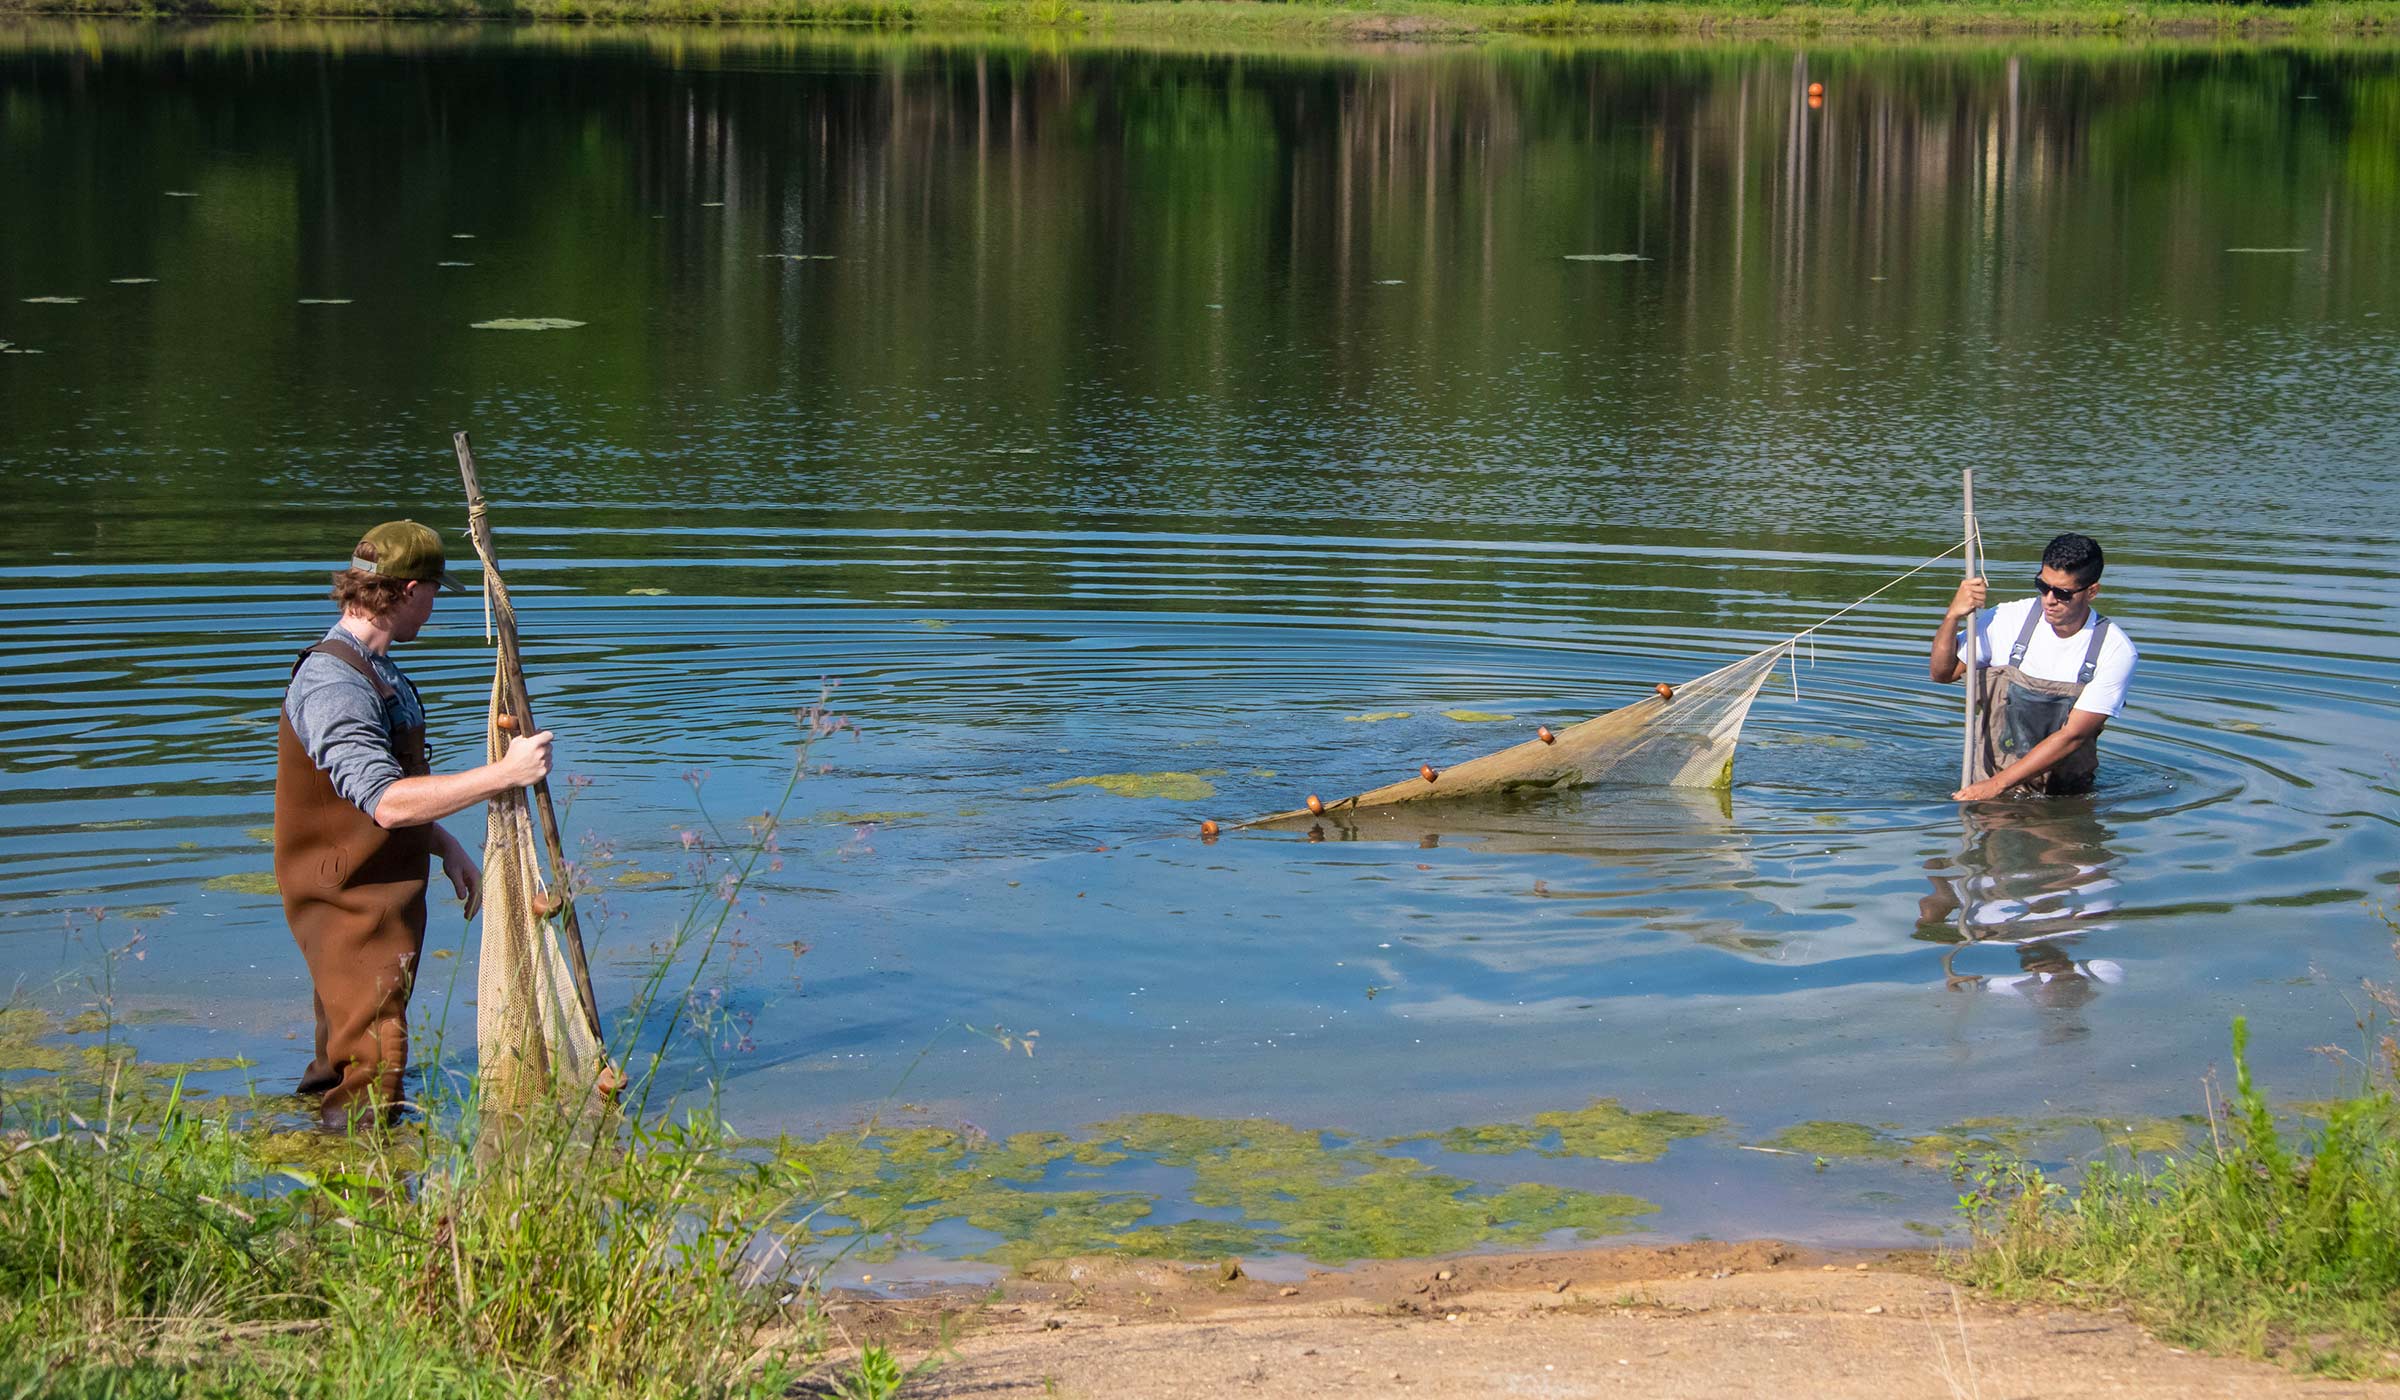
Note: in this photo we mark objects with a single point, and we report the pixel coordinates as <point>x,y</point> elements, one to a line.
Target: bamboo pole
<point>519,703</point>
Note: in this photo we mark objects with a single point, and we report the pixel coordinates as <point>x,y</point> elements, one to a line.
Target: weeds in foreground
<point>154,1247</point>
<point>2263,1244</point>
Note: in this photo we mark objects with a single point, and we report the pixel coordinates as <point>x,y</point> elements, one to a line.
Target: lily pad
<point>1375,716</point>
<point>1175,787</point>
<point>1606,257</point>
<point>528,323</point>
<point>1475,716</point>
<point>53,301</point>
<point>245,882</point>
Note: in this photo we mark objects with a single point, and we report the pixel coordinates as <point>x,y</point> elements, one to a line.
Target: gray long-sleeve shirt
<point>345,728</point>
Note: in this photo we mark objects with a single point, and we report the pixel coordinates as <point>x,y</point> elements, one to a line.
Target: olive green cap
<point>406,550</point>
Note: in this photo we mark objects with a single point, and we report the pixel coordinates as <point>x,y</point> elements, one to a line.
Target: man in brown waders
<point>357,808</point>
<point>2039,711</point>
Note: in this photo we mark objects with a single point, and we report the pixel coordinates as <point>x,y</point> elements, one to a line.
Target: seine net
<point>1682,738</point>
<point>534,1042</point>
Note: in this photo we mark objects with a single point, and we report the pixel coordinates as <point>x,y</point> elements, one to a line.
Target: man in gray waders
<point>2050,673</point>
<point>357,813</point>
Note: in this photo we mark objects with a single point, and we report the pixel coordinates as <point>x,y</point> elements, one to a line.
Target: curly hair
<point>2076,556</point>
<point>372,594</point>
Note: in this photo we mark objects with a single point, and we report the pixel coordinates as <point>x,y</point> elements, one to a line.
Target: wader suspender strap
<point>356,660</point>
<point>2091,650</point>
<point>2091,653</point>
<point>349,656</point>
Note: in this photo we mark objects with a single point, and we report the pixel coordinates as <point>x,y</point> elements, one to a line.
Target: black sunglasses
<point>2064,595</point>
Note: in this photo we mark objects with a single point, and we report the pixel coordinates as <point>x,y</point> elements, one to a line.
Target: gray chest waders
<point>2017,711</point>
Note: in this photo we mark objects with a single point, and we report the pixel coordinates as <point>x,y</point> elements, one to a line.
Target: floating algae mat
<point>1607,1130</point>
<point>1274,1188</point>
<point>1175,787</point>
<point>1979,1137</point>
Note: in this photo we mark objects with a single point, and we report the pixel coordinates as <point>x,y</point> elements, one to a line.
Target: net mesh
<point>1685,739</point>
<point>534,1043</point>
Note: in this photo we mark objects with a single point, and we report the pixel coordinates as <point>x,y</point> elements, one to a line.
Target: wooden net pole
<point>519,703</point>
<point>1971,549</point>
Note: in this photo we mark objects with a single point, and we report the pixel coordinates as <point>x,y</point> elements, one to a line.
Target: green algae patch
<point>1335,1204</point>
<point>1821,1137</point>
<point>838,818</point>
<point>1611,1132</point>
<point>263,835</point>
<point>1171,786</point>
<point>640,877</point>
<point>1376,716</point>
<point>1605,1130</point>
<point>245,882</point>
<point>1272,1188</point>
<point>1475,716</point>
<point>1979,1137</point>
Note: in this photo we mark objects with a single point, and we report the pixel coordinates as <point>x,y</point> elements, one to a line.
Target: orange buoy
<point>1545,735</point>
<point>1208,831</point>
<point>1316,805</point>
<point>1816,89</point>
<point>1665,691</point>
<point>547,905</point>
<point>507,723</point>
<point>1425,771</point>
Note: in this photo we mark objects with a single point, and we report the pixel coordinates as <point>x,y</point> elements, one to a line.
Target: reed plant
<point>2270,1241</point>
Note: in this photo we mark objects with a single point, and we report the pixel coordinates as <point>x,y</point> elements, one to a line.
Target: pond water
<point>1231,416</point>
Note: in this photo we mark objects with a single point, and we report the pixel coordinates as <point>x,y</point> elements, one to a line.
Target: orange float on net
<point>1545,735</point>
<point>1425,771</point>
<point>1208,831</point>
<point>1665,691</point>
<point>1816,89</point>
<point>547,905</point>
<point>1316,805</point>
<point>507,723</point>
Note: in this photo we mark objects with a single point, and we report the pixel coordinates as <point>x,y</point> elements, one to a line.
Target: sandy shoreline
<point>1697,1320</point>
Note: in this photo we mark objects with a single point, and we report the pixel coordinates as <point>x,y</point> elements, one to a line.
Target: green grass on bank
<point>1364,19</point>
<point>2266,1244</point>
<point>184,1257</point>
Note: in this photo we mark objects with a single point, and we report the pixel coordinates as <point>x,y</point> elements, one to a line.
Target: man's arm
<point>2082,727</point>
<point>1944,665</point>
<point>417,801</point>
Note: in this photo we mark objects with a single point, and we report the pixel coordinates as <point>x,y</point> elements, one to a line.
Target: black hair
<point>2077,556</point>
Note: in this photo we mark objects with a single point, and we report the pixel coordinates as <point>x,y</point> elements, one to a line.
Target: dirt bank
<point>1700,1320</point>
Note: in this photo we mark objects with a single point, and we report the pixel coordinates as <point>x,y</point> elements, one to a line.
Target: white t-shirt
<point>2051,657</point>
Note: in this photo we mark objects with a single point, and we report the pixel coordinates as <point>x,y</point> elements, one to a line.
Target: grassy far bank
<point>1361,19</point>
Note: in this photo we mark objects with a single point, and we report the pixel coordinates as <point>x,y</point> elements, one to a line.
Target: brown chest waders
<point>354,894</point>
<point>2016,711</point>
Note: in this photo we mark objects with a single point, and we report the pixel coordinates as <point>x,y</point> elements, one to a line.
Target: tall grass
<point>169,1247</point>
<point>2266,1243</point>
